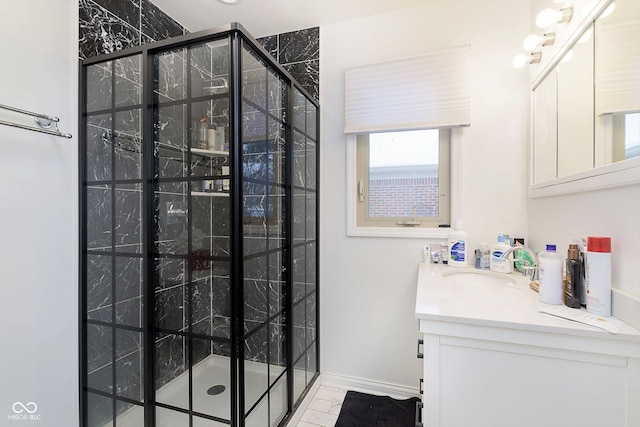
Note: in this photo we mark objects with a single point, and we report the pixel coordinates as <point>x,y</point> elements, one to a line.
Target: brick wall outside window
<point>395,197</point>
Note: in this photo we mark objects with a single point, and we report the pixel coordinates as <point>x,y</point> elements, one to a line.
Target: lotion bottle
<point>457,245</point>
<point>599,275</point>
<point>551,289</point>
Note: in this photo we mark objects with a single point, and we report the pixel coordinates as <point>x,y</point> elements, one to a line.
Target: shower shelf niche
<point>210,153</point>
<point>210,193</point>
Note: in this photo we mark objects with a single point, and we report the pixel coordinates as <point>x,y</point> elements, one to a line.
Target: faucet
<point>529,270</point>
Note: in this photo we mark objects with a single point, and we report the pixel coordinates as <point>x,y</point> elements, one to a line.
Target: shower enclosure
<point>199,234</point>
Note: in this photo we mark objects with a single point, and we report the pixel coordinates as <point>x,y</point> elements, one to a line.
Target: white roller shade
<point>428,91</point>
<point>618,67</point>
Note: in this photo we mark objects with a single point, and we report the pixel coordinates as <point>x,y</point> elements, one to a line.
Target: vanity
<point>491,358</point>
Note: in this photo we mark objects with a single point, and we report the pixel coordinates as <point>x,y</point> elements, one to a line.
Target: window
<point>402,179</point>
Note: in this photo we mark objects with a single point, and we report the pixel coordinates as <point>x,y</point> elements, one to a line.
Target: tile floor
<point>324,408</point>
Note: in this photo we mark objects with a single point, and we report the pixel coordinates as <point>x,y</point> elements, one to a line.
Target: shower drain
<point>216,389</point>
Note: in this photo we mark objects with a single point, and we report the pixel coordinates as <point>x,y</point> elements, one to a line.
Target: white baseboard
<point>362,385</point>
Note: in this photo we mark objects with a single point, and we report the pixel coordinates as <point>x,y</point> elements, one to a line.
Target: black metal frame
<point>237,37</point>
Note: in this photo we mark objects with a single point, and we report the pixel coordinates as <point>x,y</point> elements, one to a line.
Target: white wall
<point>612,212</point>
<point>38,214</point>
<point>368,285</point>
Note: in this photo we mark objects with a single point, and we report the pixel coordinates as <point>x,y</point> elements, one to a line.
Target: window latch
<point>412,221</point>
<point>361,190</point>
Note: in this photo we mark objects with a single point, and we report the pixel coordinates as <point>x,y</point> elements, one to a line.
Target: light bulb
<point>531,42</point>
<point>608,10</point>
<point>519,61</point>
<point>547,17</point>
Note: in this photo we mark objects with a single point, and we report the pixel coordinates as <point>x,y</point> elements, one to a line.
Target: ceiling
<point>267,17</point>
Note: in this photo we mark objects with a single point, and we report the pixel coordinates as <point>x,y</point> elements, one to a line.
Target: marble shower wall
<point>299,53</point>
<point>112,25</point>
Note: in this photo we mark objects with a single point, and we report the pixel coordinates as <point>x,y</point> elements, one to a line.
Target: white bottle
<point>496,262</point>
<point>598,275</point>
<point>551,289</point>
<point>457,245</point>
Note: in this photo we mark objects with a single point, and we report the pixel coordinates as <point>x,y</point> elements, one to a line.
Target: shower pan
<point>199,235</point>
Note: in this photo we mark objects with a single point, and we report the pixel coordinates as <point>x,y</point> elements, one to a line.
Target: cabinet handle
<point>420,386</point>
<point>419,414</point>
<point>420,355</point>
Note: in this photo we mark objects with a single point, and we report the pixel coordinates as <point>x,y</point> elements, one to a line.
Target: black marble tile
<point>311,319</point>
<point>221,302</point>
<point>157,24</point>
<point>169,358</point>
<point>298,46</point>
<point>311,168</point>
<point>310,222</point>
<point>171,83</point>
<point>256,346</point>
<point>128,278</point>
<point>255,161</point>
<point>254,124</point>
<point>127,342</point>
<point>311,263</point>
<point>299,159</point>
<point>129,376</point>
<point>129,312</point>
<point>169,308</point>
<point>277,96</point>
<point>128,83</point>
<point>201,297</point>
<point>99,148</point>
<point>99,230</point>
<point>128,218</point>
<point>99,86</point>
<point>307,74</point>
<point>101,379</point>
<point>299,265</point>
<point>255,303</point>
<point>277,343</point>
<point>221,349</point>
<point>299,330</point>
<point>101,32</point>
<point>171,129</point>
<point>312,120</point>
<point>127,141</point>
<point>221,327</point>
<point>98,288</point>
<point>299,216</point>
<point>99,409</point>
<point>312,364</point>
<point>200,350</point>
<point>127,10</point>
<point>98,347</point>
<point>270,43</point>
<point>169,272</point>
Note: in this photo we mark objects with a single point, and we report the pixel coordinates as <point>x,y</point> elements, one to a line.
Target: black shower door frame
<point>238,37</point>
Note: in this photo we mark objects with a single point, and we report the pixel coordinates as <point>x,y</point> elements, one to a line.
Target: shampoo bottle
<point>551,289</point>
<point>496,262</point>
<point>572,290</point>
<point>457,245</point>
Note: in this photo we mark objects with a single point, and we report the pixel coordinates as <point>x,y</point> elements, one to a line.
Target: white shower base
<point>213,370</point>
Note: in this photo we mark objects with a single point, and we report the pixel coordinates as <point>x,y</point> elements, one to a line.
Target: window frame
<point>455,173</point>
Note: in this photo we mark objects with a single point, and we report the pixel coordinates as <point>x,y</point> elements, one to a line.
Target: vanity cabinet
<point>507,369</point>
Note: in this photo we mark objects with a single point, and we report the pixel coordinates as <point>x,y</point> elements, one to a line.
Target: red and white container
<point>598,275</point>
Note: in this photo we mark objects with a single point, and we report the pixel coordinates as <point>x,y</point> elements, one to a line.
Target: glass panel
<point>171,136</point>
<point>169,308</point>
<point>403,174</point>
<point>299,159</point>
<point>129,218</point>
<point>99,86</point>
<point>311,364</point>
<point>99,358</point>
<point>255,293</point>
<point>98,205</point>
<point>171,382</point>
<point>129,291</point>
<point>299,216</point>
<point>98,143</point>
<point>256,369</point>
<point>276,149</point>
<point>171,218</point>
<point>209,125</point>
<point>171,82</point>
<point>221,301</point>
<point>312,112</point>
<point>129,365</point>
<point>277,348</point>
<point>211,381</point>
<point>299,110</point>
<point>130,415</point>
<point>299,378</point>
<point>99,410</point>
<point>298,322</point>
<point>128,84</point>
<point>311,164</point>
<point>203,422</point>
<point>310,223</point>
<point>254,80</point>
<point>259,417</point>
<point>299,269</point>
<point>278,402</point>
<point>169,418</point>
<point>98,288</point>
<point>210,69</point>
<point>255,217</point>
<point>128,145</point>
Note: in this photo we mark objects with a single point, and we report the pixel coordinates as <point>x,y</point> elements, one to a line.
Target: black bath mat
<point>367,410</point>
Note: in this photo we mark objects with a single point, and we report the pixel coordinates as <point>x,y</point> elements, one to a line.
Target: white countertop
<point>513,305</point>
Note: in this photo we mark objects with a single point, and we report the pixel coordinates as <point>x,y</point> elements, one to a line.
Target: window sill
<point>410,232</point>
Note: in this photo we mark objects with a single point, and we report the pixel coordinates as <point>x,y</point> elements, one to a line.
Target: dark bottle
<point>572,290</point>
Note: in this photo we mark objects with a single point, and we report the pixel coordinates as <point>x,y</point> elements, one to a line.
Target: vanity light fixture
<point>533,41</point>
<point>228,1</point>
<point>548,17</point>
<point>521,60</point>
